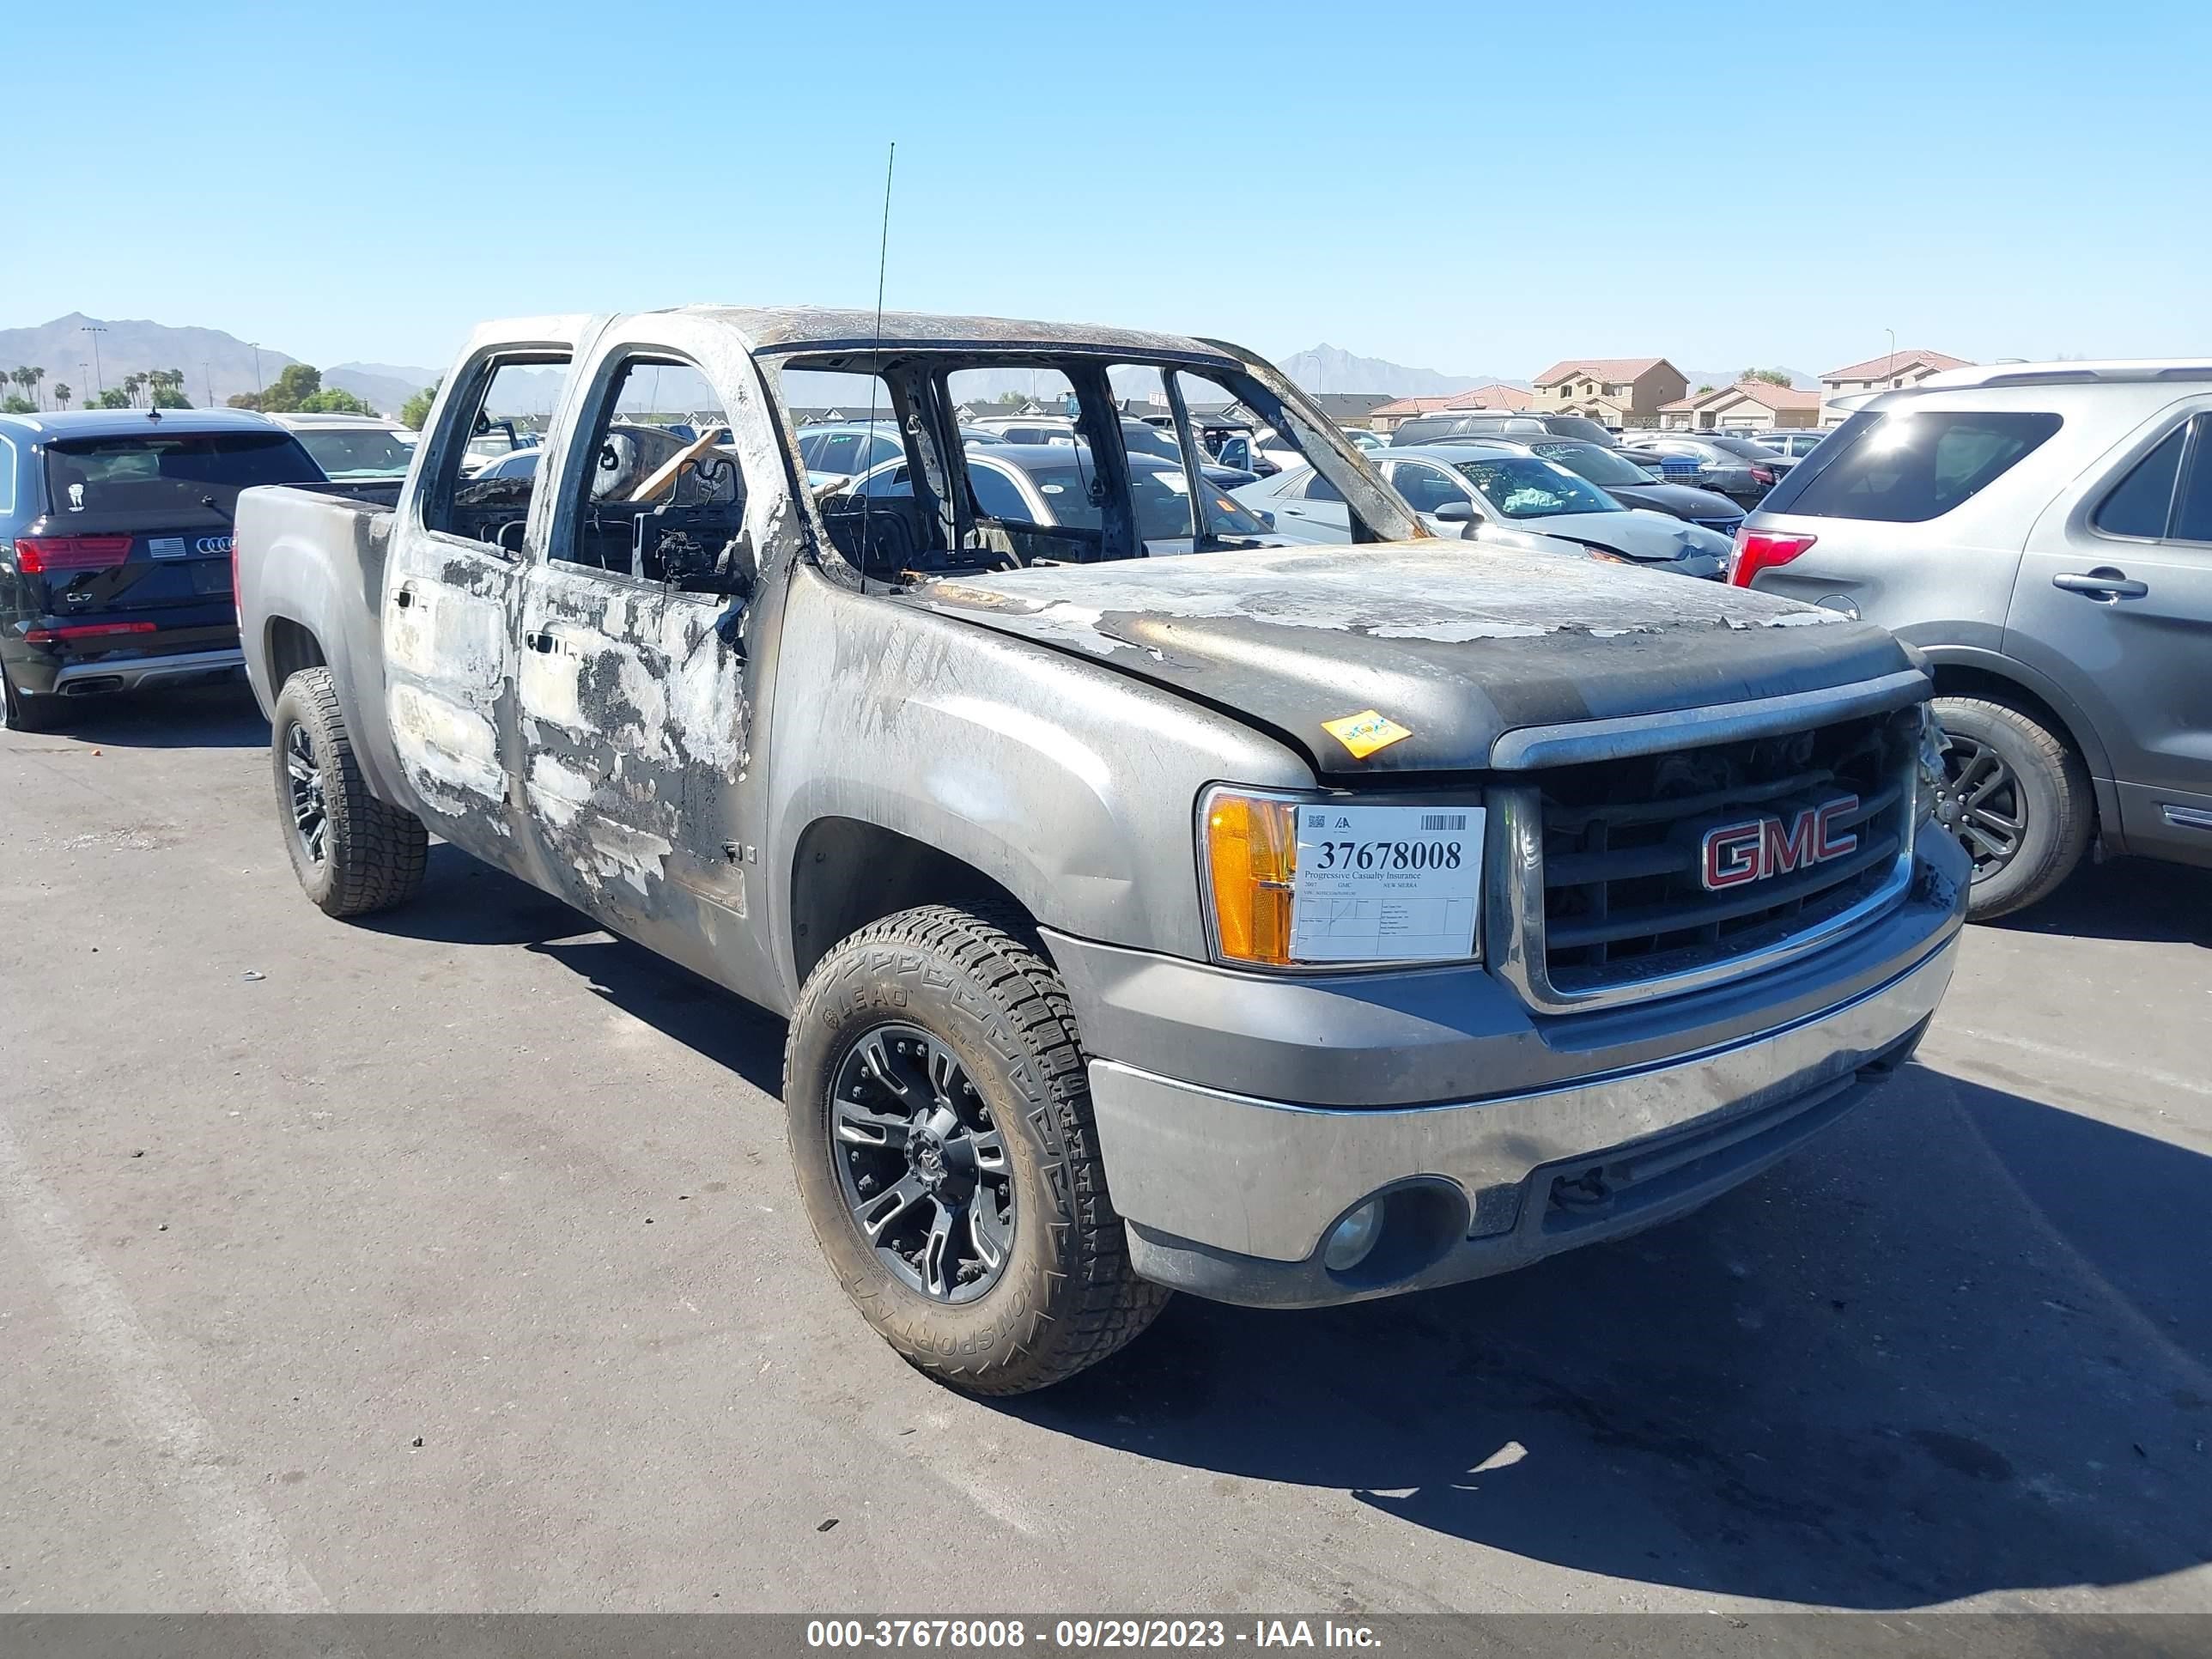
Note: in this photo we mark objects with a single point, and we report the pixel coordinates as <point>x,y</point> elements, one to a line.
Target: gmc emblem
<point>1735,854</point>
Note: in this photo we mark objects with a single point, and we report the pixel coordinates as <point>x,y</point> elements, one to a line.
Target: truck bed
<point>310,564</point>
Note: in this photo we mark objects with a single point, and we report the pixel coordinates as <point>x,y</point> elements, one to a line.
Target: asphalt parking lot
<point>452,1262</point>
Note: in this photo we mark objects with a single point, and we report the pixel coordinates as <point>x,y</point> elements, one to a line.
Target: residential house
<point>1891,371</point>
<point>1350,408</point>
<point>1616,391</point>
<point>1496,396</point>
<point>1746,406</point>
<point>1389,417</point>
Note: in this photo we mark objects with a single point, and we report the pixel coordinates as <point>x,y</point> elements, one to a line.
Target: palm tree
<point>132,386</point>
<point>62,394</point>
<point>20,377</point>
<point>32,376</point>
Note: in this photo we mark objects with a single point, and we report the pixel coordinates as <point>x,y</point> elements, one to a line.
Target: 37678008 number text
<point>1387,855</point>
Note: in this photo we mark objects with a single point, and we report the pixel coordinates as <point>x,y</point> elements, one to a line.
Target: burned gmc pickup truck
<point>1155,905</point>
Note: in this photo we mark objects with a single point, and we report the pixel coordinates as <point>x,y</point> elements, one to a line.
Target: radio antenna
<point>876,380</point>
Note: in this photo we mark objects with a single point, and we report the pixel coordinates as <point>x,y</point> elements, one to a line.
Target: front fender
<point>1070,785</point>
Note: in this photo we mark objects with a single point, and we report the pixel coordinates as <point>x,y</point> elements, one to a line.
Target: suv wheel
<point>2018,798</point>
<point>353,852</point>
<point>20,711</point>
<point>941,1134</point>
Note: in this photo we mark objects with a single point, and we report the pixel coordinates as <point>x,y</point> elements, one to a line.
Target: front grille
<point>1726,526</point>
<point>1623,848</point>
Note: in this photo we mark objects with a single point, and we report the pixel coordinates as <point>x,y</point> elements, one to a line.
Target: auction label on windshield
<point>1382,884</point>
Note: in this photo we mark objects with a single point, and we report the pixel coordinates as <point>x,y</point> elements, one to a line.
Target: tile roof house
<point>1390,415</point>
<point>1510,398</point>
<point>1888,372</point>
<point>1746,406</point>
<point>1618,391</point>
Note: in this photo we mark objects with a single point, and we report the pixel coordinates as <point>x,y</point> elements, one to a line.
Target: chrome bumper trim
<point>138,670</point>
<point>1529,747</point>
<point>1513,907</point>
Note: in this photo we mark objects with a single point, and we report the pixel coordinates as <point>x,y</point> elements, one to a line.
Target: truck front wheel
<point>353,852</point>
<point>941,1134</point>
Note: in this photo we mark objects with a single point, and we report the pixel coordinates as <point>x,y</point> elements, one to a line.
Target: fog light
<point>1353,1239</point>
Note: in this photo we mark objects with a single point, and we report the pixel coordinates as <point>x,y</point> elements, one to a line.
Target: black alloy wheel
<point>311,817</point>
<point>1981,802</point>
<point>920,1163</point>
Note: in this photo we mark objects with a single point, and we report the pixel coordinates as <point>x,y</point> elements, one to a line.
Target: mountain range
<point>1325,367</point>
<point>216,366</point>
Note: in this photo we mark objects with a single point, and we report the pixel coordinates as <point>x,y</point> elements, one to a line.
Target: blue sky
<point>1469,187</point>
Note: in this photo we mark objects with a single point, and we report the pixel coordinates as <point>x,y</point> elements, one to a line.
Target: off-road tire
<point>2058,807</point>
<point>376,852</point>
<point>1066,1296</point>
<point>20,711</point>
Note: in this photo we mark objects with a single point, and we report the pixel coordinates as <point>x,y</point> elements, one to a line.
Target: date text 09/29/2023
<point>1085,1635</point>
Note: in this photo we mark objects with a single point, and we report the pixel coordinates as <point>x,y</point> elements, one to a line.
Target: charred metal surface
<point>623,691</point>
<point>1460,644</point>
<point>1069,785</point>
<point>819,328</point>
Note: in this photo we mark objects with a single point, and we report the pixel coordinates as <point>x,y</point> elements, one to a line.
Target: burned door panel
<point>633,721</point>
<point>448,651</point>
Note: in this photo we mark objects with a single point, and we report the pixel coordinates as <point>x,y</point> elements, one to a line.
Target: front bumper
<point>1232,1197</point>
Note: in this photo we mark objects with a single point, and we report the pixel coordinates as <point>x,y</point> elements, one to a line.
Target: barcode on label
<point>1432,822</point>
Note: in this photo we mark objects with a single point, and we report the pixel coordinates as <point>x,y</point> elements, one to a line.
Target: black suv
<point>115,547</point>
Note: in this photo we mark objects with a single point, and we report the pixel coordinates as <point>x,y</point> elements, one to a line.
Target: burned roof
<point>811,329</point>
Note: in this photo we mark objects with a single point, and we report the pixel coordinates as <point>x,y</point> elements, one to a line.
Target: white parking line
<point>2051,1051</point>
<point>220,1512</point>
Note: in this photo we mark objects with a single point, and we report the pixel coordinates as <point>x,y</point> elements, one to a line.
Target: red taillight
<point>1763,475</point>
<point>1756,550</point>
<point>37,555</point>
<point>84,631</point>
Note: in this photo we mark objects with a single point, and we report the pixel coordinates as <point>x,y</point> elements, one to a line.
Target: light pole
<point>96,330</point>
<point>258,388</point>
<point>206,379</point>
<point>1889,367</point>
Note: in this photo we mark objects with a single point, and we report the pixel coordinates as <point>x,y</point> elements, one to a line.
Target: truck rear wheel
<point>2018,798</point>
<point>353,852</point>
<point>941,1134</point>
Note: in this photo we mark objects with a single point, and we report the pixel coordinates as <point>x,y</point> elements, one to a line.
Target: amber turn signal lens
<point>1251,856</point>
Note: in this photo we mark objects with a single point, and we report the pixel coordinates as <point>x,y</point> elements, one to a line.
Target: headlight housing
<point>1388,883</point>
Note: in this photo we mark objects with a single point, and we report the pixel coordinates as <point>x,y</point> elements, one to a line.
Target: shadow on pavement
<point>217,714</point>
<point>1958,1345</point>
<point>2126,899</point>
<point>466,901</point>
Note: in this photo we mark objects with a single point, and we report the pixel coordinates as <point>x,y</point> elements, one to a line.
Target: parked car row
<point>1501,495</point>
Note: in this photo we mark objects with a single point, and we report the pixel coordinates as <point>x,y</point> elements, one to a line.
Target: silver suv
<point>2044,532</point>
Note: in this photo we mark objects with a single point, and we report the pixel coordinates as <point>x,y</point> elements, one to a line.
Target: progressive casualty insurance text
<point>1084,1635</point>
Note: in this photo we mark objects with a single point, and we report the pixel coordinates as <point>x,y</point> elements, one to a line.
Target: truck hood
<point>1459,644</point>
